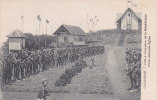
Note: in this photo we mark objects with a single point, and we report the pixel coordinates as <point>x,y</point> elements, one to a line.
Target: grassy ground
<point>55,96</point>
<point>90,81</point>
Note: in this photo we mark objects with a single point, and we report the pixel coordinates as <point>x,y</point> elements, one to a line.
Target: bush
<point>69,71</point>
<point>84,64</point>
<point>61,82</point>
<point>58,82</point>
<point>66,78</point>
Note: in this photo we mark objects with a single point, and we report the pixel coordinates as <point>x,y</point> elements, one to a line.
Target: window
<point>65,39</point>
<point>129,15</point>
<point>80,38</point>
<point>129,26</point>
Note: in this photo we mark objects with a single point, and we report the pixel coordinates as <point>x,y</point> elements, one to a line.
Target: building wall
<point>72,39</point>
<point>135,22</point>
<point>79,43</point>
<point>140,27</point>
<point>16,43</point>
<point>61,38</point>
<point>118,25</point>
<point>79,40</point>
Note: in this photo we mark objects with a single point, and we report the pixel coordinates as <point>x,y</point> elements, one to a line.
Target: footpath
<point>118,78</point>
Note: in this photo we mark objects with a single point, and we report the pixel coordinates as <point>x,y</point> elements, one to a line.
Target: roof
<point>73,30</point>
<point>120,16</point>
<point>16,33</point>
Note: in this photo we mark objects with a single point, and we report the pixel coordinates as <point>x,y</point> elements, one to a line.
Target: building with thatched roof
<point>67,34</point>
<point>16,41</point>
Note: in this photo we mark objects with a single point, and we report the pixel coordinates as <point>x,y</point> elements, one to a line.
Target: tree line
<point>35,42</point>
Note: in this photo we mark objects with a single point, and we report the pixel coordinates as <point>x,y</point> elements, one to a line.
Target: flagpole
<point>39,19</point>
<point>51,26</point>
<point>39,35</point>
<point>87,23</point>
<point>127,4</point>
<point>45,35</point>
<point>35,37</point>
<point>22,25</point>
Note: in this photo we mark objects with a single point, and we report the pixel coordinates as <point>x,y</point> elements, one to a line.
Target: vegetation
<point>66,78</point>
<point>33,42</point>
<point>39,41</point>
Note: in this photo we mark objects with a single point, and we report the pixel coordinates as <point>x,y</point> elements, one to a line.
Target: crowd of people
<point>70,55</point>
<point>22,64</point>
<point>133,68</point>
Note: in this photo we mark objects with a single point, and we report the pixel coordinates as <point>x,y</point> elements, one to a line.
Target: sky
<point>58,12</point>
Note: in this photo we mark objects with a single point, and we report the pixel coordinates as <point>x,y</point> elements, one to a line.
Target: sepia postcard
<point>78,50</point>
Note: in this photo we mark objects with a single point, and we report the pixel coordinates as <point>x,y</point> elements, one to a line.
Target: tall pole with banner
<point>22,17</point>
<point>47,22</point>
<point>39,20</point>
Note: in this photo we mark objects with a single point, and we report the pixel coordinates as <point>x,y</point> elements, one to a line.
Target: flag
<point>22,17</point>
<point>129,1</point>
<point>38,17</point>
<point>134,5</point>
<point>47,21</point>
<point>91,20</point>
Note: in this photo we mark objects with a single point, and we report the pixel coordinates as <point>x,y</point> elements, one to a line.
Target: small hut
<point>16,40</point>
<point>67,34</point>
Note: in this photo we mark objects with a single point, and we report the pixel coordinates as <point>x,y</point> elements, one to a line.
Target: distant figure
<point>127,58</point>
<point>93,63</point>
<point>43,93</point>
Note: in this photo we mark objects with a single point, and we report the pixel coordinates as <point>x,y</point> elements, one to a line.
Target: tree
<point>30,42</point>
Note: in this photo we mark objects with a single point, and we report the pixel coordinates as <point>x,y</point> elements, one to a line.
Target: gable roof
<point>16,33</point>
<point>120,16</point>
<point>73,30</point>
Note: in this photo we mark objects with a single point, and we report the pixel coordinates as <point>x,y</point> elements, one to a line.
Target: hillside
<point>114,36</point>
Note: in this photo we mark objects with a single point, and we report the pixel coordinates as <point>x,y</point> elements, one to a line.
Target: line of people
<point>70,55</point>
<point>18,65</point>
<point>22,64</point>
<point>133,68</point>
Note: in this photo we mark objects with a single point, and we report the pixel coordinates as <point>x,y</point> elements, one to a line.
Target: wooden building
<point>129,20</point>
<point>70,35</point>
<point>16,41</point>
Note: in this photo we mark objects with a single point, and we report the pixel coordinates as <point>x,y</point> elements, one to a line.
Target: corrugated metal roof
<point>74,30</point>
<point>16,33</point>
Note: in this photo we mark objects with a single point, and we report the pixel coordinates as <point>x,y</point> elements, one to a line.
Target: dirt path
<point>118,77</point>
